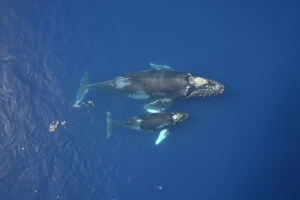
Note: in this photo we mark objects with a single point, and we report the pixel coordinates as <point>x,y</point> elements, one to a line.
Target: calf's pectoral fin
<point>162,135</point>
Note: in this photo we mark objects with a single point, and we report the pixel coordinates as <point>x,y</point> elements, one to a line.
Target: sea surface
<point>242,144</point>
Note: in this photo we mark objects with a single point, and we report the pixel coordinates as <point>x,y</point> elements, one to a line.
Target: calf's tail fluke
<point>109,122</point>
<point>83,89</point>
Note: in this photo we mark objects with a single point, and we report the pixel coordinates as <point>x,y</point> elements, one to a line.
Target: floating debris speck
<point>159,187</point>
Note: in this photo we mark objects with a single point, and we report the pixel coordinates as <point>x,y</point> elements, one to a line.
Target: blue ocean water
<point>243,144</point>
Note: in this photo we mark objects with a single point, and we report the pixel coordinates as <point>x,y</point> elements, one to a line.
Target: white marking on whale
<point>121,82</point>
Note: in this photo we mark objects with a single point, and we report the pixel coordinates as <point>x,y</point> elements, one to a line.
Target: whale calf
<point>161,122</point>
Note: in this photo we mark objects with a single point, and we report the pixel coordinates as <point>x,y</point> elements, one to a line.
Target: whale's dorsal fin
<point>162,135</point>
<point>161,67</point>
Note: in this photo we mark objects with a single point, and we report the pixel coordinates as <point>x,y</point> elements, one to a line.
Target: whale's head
<point>179,117</point>
<point>203,87</point>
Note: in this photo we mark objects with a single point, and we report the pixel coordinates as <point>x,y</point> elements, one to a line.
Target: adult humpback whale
<point>150,122</point>
<point>162,86</point>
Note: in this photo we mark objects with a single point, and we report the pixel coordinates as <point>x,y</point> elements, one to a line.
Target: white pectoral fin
<point>158,106</point>
<point>151,110</point>
<point>162,135</point>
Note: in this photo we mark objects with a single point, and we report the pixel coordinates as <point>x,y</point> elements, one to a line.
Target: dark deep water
<point>243,144</point>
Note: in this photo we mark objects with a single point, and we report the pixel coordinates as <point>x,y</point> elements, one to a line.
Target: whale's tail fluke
<point>81,92</point>
<point>109,123</point>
